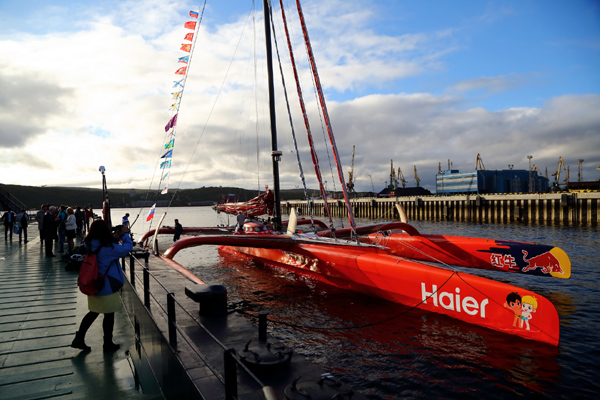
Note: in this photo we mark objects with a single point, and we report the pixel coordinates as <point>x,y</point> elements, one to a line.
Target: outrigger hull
<point>490,254</point>
<point>375,272</point>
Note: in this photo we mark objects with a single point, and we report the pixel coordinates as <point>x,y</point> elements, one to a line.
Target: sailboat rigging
<point>374,260</point>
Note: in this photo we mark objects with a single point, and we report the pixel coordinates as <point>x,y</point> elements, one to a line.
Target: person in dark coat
<point>39,217</point>
<point>22,221</point>
<point>79,216</point>
<point>49,231</point>
<point>9,221</point>
<point>178,230</point>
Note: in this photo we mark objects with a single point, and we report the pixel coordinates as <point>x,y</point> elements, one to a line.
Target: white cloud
<point>115,75</point>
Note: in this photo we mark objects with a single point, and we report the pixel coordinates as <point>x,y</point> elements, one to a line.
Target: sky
<point>424,84</point>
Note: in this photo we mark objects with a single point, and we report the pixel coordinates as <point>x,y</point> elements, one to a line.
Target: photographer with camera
<point>107,301</point>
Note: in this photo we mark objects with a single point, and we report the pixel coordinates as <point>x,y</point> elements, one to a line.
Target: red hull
<point>496,255</point>
<point>376,272</point>
<point>491,254</point>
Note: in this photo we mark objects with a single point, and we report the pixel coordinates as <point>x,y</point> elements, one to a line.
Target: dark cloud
<point>425,130</point>
<point>26,105</point>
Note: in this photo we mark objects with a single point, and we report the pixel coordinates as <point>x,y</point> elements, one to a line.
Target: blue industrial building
<point>482,181</point>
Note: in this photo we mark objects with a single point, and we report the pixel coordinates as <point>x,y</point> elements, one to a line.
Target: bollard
<point>146,288</point>
<point>268,393</point>
<point>230,366</point>
<point>172,320</point>
<point>262,325</point>
<point>212,299</point>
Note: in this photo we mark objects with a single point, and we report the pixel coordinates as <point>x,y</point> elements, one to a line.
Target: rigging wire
<point>334,149</point>
<point>313,152</point>
<point>287,103</point>
<point>254,43</point>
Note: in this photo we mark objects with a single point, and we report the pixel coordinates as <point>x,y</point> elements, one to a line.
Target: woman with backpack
<point>107,301</point>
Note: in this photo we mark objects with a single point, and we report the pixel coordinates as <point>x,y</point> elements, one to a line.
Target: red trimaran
<point>394,261</point>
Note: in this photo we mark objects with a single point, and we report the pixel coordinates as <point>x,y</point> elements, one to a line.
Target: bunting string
<point>176,97</point>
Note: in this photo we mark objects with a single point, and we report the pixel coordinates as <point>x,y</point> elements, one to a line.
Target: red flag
<point>189,36</point>
<point>181,71</point>
<point>186,47</point>
<point>190,25</point>
<point>172,122</point>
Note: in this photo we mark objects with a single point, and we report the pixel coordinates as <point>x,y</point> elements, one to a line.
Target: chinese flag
<point>190,25</point>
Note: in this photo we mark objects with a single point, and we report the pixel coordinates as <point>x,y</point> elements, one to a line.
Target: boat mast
<point>275,154</point>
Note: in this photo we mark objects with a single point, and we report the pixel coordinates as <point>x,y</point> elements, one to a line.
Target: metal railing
<point>11,201</point>
<point>175,333</point>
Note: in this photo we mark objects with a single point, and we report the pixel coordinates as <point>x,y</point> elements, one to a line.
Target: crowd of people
<point>16,223</point>
<point>60,224</point>
<point>63,224</point>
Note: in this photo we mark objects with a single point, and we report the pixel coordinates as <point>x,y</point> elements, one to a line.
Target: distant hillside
<point>34,196</point>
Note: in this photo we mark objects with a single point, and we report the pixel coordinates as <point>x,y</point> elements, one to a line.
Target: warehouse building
<point>482,181</point>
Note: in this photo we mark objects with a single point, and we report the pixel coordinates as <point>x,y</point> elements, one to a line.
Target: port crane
<point>557,172</point>
<point>393,181</point>
<point>401,178</point>
<point>350,183</point>
<point>479,163</point>
<point>417,180</point>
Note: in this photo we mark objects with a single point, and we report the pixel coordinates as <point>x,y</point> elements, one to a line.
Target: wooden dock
<point>571,209</point>
<point>40,310</point>
<point>167,349</point>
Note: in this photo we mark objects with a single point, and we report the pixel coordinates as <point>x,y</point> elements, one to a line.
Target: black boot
<point>109,346</point>
<point>79,342</point>
<point>107,326</point>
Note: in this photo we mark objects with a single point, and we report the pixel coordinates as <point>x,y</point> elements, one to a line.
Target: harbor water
<point>391,351</point>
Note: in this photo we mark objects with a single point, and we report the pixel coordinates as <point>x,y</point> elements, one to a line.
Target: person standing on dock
<point>71,228</point>
<point>49,230</point>
<point>62,230</point>
<point>178,230</point>
<point>9,221</point>
<point>108,300</point>
<point>22,222</point>
<point>39,217</point>
<point>79,215</point>
<point>88,214</point>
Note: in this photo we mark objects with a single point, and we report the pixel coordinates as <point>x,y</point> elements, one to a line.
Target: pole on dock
<point>262,325</point>
<point>172,320</point>
<point>132,270</point>
<point>147,288</point>
<point>230,366</point>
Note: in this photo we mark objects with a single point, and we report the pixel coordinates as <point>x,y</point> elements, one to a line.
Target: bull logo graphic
<point>546,262</point>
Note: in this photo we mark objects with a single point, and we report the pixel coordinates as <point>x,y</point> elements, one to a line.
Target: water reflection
<point>417,354</point>
<point>374,340</point>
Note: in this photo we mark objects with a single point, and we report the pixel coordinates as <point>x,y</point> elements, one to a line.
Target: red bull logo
<point>546,262</point>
